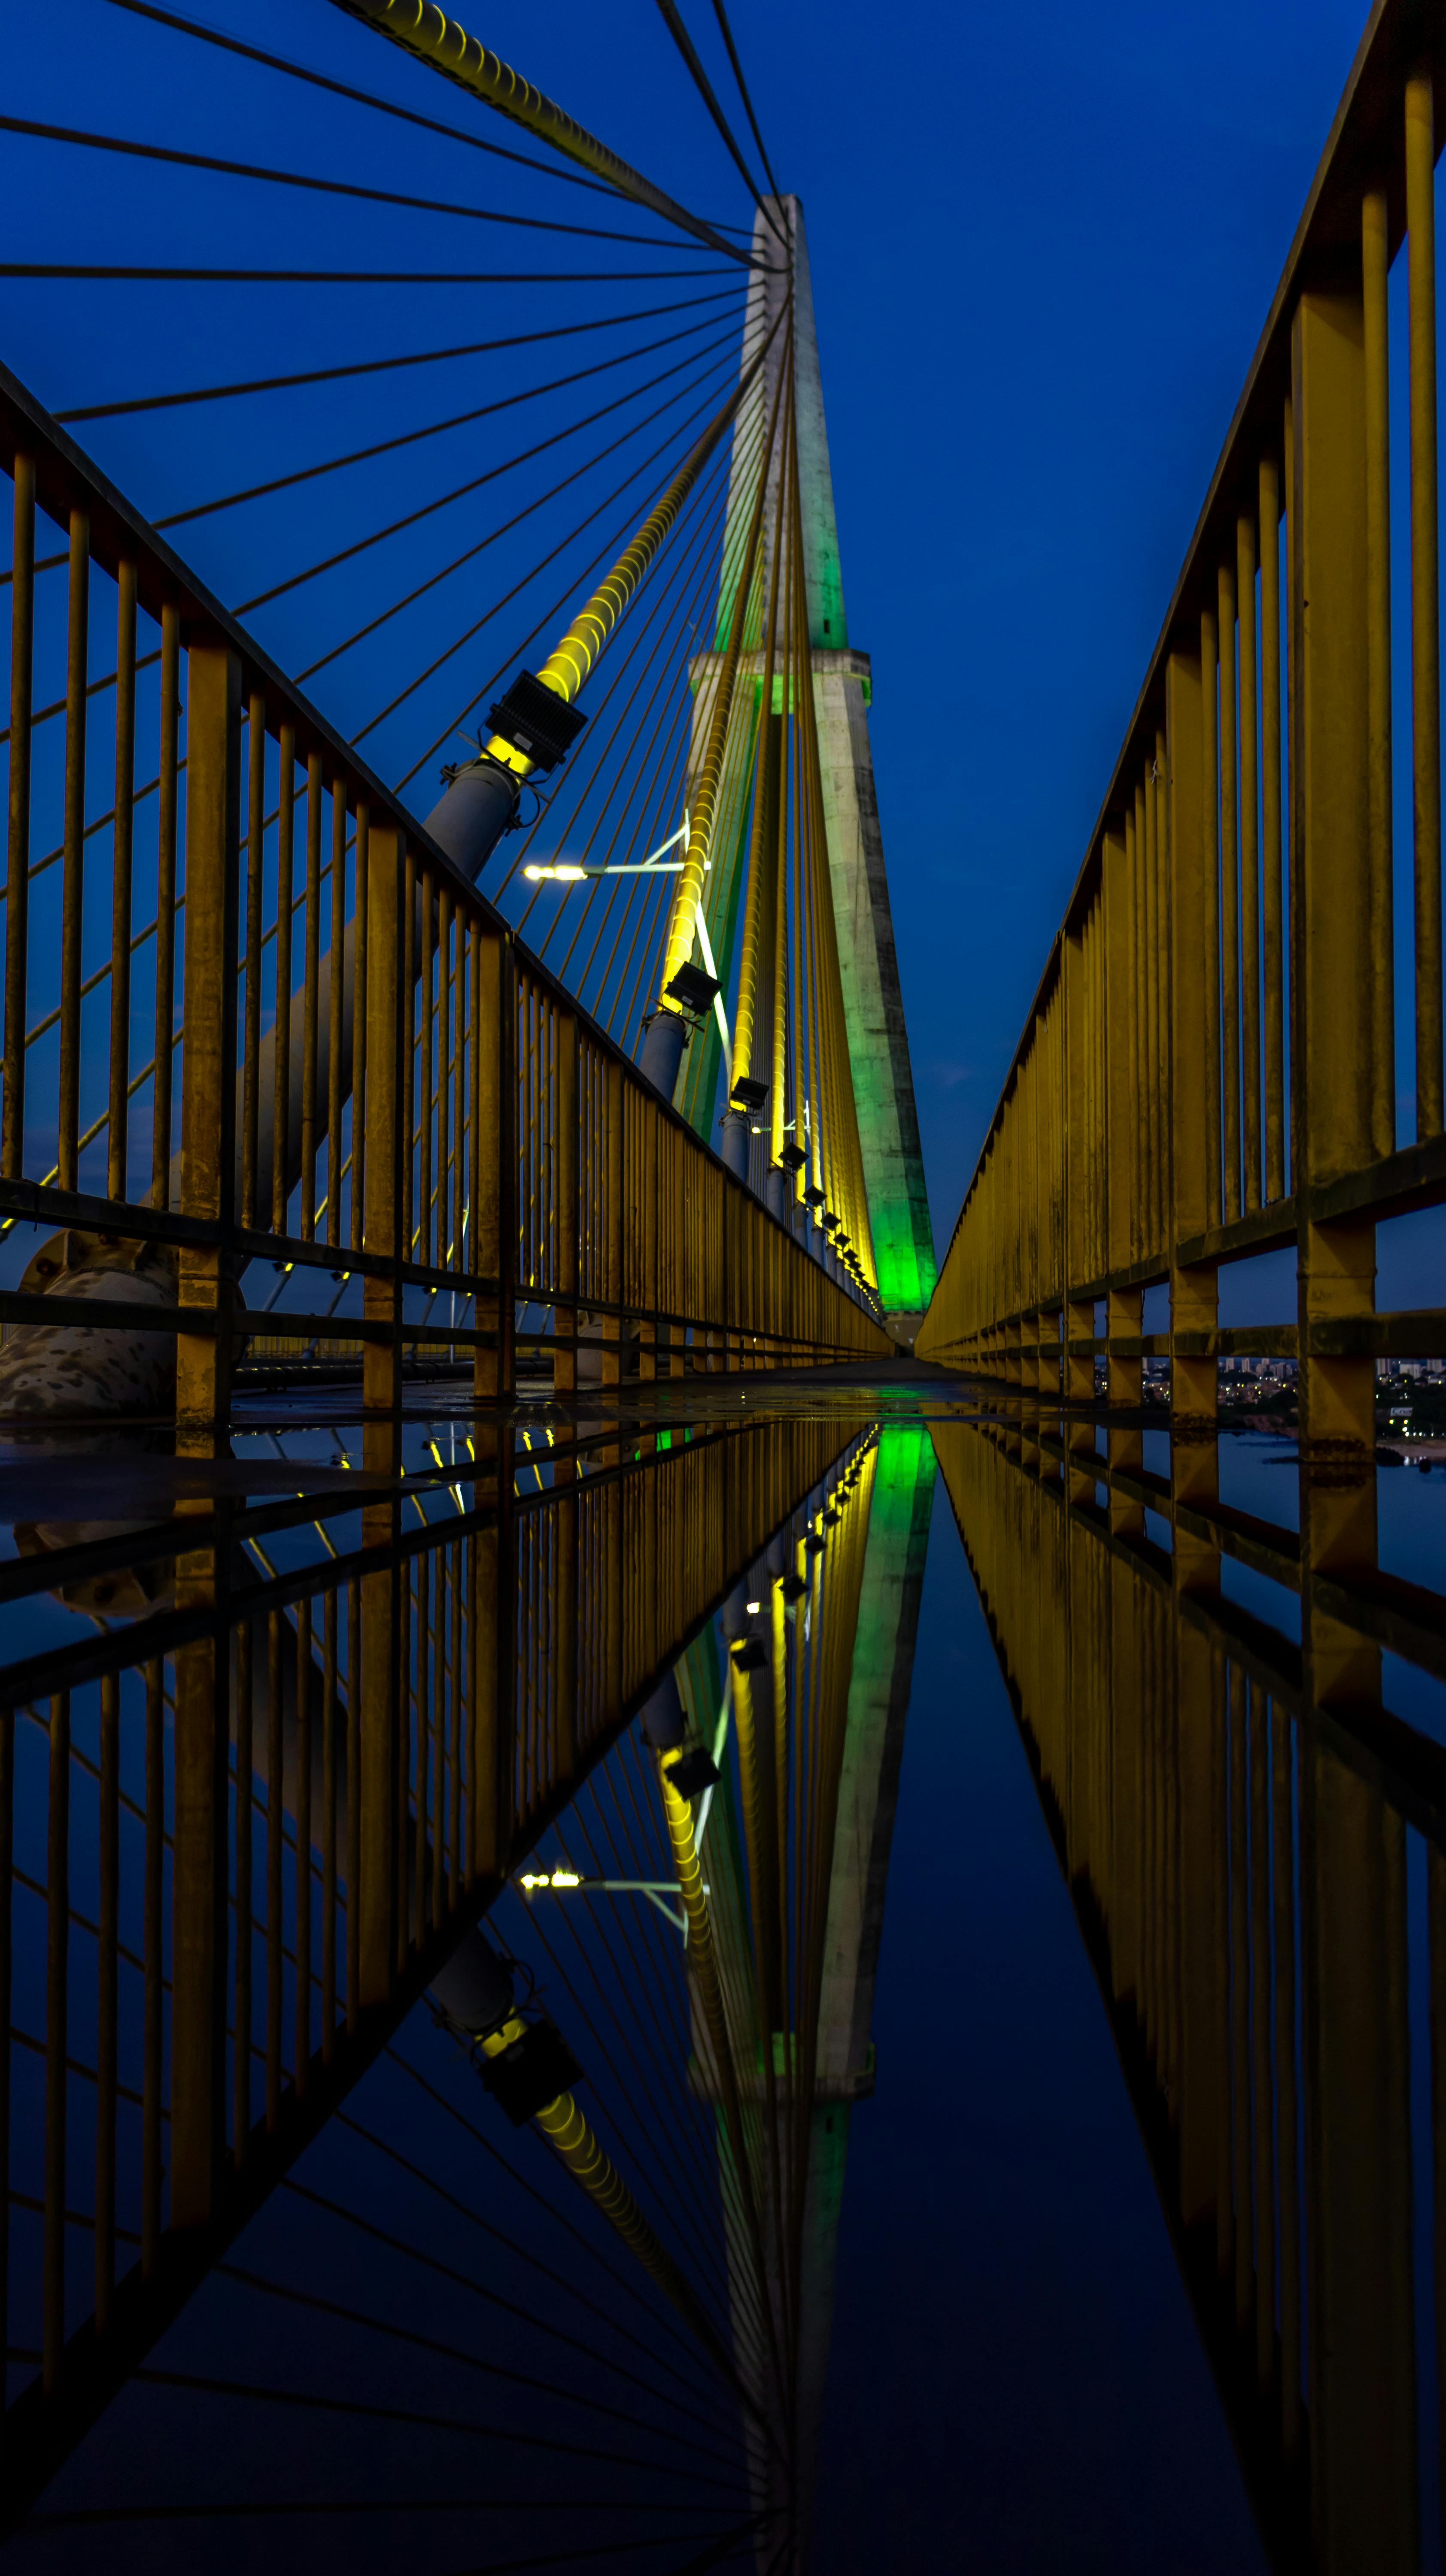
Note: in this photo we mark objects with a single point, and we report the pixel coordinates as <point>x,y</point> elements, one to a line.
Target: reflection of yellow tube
<point>567,667</point>
<point>568,2134</point>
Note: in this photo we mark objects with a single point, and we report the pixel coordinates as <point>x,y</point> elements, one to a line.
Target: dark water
<point>1104,2235</point>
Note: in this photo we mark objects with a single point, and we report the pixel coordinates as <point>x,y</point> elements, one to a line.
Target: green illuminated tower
<point>874,1012</point>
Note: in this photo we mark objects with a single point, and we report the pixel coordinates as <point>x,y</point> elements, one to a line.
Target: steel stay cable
<point>464,2280</point>
<point>709,366</point>
<point>385,366</point>
<point>645,1864</point>
<point>434,429</point>
<point>447,48</point>
<point>504,528</point>
<point>314,2401</point>
<point>644,2157</point>
<point>514,2246</point>
<point>582,781</point>
<point>57,271</point>
<point>688,2139</point>
<point>518,587</point>
<point>476,699</point>
<point>631,1985</point>
<point>431,2343</point>
<point>583,2011</point>
<point>688,50</point>
<point>369,98</point>
<point>629,2282</point>
<point>258,491</point>
<point>75,135</point>
<point>721,14</point>
<point>429,429</point>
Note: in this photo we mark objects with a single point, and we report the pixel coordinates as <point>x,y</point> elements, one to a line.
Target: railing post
<point>385,1003</point>
<point>1332,1053</point>
<point>198,1900</point>
<point>494,1162</point>
<point>612,1221</point>
<point>208,1099</point>
<point>1194,1291</point>
<point>564,1362</point>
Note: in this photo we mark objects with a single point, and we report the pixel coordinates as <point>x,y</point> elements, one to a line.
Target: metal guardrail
<point>242,1825</point>
<point>473,1137</point>
<point>1261,1888</point>
<point>1208,1069</point>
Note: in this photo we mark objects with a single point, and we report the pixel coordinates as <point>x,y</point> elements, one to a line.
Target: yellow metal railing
<point>428,1132</point>
<point>243,1825</point>
<point>1209,1068</point>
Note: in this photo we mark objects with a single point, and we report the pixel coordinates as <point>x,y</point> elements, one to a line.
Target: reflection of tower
<point>883,1083</point>
<point>795,1849</point>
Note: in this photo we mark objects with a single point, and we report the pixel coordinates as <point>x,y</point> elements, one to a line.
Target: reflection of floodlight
<point>694,990</point>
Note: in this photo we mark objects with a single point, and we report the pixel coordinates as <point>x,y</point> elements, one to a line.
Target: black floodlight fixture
<point>814,1544</point>
<point>792,1158</point>
<point>664,1728</point>
<point>812,1197</point>
<point>525,2077</point>
<point>749,1655</point>
<point>694,990</point>
<point>831,1517</point>
<point>830,1223</point>
<point>536,721</point>
<point>474,1994</point>
<point>793,1588</point>
<point>692,1773</point>
<point>747,1094</point>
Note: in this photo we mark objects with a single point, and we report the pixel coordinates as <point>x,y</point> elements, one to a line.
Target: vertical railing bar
<point>334,1016</point>
<point>353,1805</point>
<point>245,1825</point>
<point>1375,261</point>
<point>274,1851</point>
<point>328,1827</point>
<point>311,971</point>
<point>305,1676</point>
<point>17,864</point>
<point>359,1028</point>
<point>281,1041</point>
<point>1425,598</point>
<point>251,1021</point>
<point>73,888</point>
<point>428,1008</point>
<point>1270,845</point>
<point>106,2046</point>
<point>409,1041</point>
<point>1249,860</point>
<point>121,854</point>
<point>56,2033</point>
<point>153,2036</point>
<point>1229,890</point>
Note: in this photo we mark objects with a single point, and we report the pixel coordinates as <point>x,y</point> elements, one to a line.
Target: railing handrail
<point>1399,37</point>
<point>66,475</point>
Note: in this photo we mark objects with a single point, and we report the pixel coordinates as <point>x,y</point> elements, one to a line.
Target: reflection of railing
<point>1209,1066</point>
<point>462,1133</point>
<point>1262,1888</point>
<point>351,1756</point>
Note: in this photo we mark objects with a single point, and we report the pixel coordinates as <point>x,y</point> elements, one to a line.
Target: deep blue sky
<point>1043,243</point>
